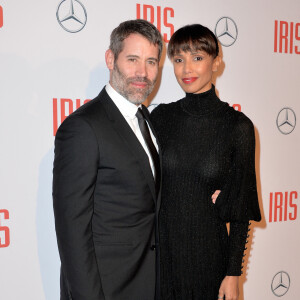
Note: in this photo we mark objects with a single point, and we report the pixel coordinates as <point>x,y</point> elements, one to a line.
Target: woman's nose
<point>187,68</point>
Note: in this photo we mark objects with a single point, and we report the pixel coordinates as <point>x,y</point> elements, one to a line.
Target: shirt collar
<point>126,108</point>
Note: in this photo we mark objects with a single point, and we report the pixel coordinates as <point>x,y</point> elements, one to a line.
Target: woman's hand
<point>215,196</point>
<point>229,288</point>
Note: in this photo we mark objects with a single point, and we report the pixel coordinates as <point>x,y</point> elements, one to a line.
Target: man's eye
<point>132,59</point>
<point>152,62</point>
<point>177,60</point>
<point>198,58</point>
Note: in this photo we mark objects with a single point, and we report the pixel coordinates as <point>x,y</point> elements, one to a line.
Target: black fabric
<point>206,145</point>
<point>105,206</point>
<point>153,152</point>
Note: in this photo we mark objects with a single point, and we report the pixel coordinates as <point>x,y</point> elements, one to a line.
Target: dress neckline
<point>205,103</point>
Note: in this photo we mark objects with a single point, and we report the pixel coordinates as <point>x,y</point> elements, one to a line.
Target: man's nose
<point>141,70</point>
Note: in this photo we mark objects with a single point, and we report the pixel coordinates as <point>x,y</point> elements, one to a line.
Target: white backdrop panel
<point>40,62</point>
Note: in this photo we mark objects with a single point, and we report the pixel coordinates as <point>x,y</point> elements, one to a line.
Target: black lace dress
<point>206,145</point>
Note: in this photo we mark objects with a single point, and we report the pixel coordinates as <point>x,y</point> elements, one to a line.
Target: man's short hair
<point>193,38</point>
<point>142,27</point>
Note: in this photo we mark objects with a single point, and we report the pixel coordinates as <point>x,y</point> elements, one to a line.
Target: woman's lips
<point>189,80</point>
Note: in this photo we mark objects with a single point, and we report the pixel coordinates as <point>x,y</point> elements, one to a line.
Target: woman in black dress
<point>206,146</point>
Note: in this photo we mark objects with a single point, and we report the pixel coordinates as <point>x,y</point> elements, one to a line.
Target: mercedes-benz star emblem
<point>71,15</point>
<point>280,283</point>
<point>226,31</point>
<point>286,120</point>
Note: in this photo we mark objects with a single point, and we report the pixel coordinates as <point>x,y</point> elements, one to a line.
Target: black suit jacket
<point>105,206</point>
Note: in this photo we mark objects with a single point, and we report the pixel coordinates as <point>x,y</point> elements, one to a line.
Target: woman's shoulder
<point>164,110</point>
<point>243,126</point>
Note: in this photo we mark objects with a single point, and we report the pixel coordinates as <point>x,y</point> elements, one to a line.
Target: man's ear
<point>109,59</point>
<point>216,63</point>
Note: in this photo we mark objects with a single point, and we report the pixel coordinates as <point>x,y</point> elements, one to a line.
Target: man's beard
<point>123,86</point>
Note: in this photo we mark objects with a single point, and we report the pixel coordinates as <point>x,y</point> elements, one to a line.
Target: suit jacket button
<point>153,247</point>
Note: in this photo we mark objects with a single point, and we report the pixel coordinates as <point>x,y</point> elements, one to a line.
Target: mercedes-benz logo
<point>280,284</point>
<point>226,31</point>
<point>71,15</point>
<point>286,120</point>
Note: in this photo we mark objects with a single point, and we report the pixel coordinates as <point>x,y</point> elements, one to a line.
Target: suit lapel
<point>127,135</point>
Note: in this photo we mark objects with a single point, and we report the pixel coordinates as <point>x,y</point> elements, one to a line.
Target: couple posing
<point>136,212</point>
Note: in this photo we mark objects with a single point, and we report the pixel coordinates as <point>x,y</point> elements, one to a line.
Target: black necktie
<point>153,152</point>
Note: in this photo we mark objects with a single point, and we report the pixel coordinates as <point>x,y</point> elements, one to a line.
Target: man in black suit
<point>106,179</point>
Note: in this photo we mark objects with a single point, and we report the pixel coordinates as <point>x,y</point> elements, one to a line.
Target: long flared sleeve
<point>238,201</point>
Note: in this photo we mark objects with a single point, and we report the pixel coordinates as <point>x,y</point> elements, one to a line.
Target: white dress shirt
<point>128,111</point>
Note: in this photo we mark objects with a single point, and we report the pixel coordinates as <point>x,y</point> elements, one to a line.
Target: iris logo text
<point>237,107</point>
<point>282,206</point>
<point>63,107</point>
<point>4,230</point>
<point>1,16</point>
<point>287,37</point>
<point>158,16</point>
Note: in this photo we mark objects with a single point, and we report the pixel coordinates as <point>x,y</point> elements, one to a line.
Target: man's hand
<point>229,288</point>
<point>215,196</point>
